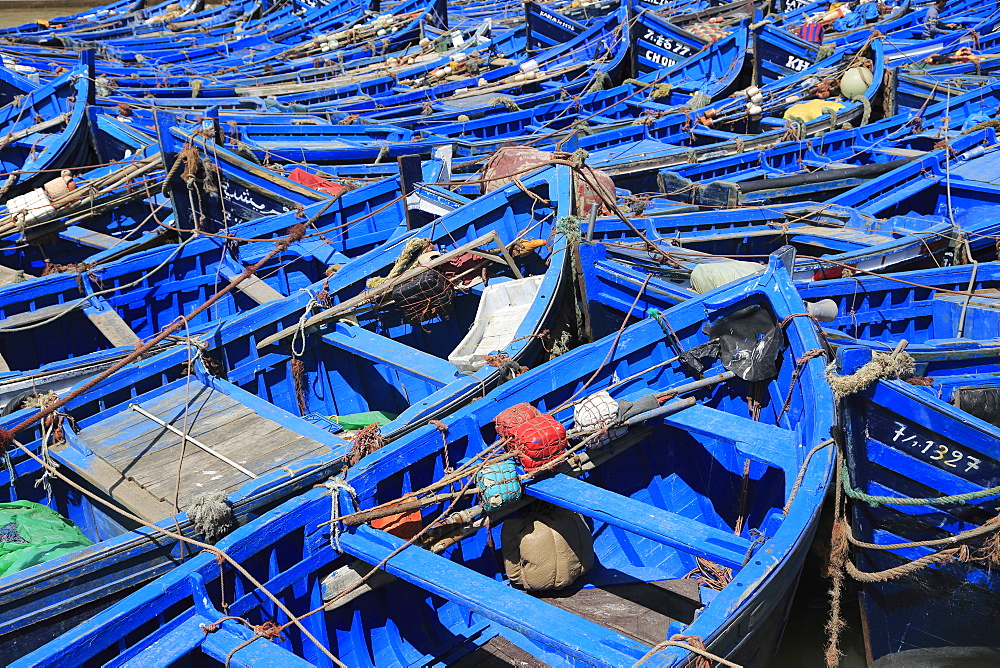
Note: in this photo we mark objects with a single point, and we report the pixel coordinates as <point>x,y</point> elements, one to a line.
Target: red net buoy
<point>514,417</point>
<point>537,441</point>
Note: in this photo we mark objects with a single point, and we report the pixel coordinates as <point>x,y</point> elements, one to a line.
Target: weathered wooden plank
<point>288,452</point>
<point>109,480</point>
<point>259,291</point>
<point>158,437</point>
<point>197,426</point>
<point>640,610</point>
<point>150,467</point>
<point>230,481</point>
<point>235,445</point>
<point>38,315</point>
<point>10,276</point>
<point>115,428</point>
<point>86,237</point>
<point>111,325</point>
<point>194,479</point>
<point>135,428</point>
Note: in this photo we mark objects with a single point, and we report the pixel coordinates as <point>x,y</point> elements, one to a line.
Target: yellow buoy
<point>810,110</point>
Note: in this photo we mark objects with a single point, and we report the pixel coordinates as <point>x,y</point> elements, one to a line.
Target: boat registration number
<point>797,64</point>
<point>792,5</point>
<point>666,43</point>
<point>659,59</point>
<point>943,455</point>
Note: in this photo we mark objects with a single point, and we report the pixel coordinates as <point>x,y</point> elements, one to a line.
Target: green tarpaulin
<point>31,534</point>
<point>362,420</point>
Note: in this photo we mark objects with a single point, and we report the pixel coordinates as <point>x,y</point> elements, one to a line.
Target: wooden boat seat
<point>85,237</point>
<point>304,145</point>
<point>38,141</point>
<point>384,350</point>
<point>134,459</point>
<point>850,235</point>
<point>494,600</point>
<point>38,315</point>
<point>10,276</point>
<point>642,519</point>
<point>755,440</point>
<point>96,309</point>
<point>253,287</point>
<point>900,152</point>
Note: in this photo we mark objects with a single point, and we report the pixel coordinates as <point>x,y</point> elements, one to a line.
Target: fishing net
<point>538,441</point>
<point>31,534</point>
<point>513,417</point>
<point>499,484</point>
<point>426,296</point>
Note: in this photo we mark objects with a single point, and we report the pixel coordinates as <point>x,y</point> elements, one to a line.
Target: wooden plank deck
<point>639,610</point>
<point>148,454</point>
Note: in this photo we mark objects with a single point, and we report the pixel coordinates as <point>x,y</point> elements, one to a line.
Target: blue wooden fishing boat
<point>913,131</point>
<point>46,130</point>
<point>701,540</point>
<point>349,154</point>
<point>341,371</point>
<point>829,237</point>
<point>849,180</point>
<point>920,471</point>
<point>934,310</point>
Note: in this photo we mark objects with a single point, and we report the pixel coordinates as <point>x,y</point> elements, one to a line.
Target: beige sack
<point>546,548</point>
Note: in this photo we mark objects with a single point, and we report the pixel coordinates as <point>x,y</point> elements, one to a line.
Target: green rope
<point>578,158</point>
<point>506,101</point>
<point>636,82</point>
<point>866,105</point>
<point>824,52</point>
<point>569,226</point>
<point>662,90</point>
<point>601,82</point>
<point>832,113</point>
<point>699,100</point>
<point>855,493</point>
<point>657,315</point>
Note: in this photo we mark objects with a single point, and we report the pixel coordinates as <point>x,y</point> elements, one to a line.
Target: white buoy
<point>825,310</point>
<point>855,82</point>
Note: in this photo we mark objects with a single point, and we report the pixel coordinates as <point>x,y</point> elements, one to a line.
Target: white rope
<point>335,485</point>
<point>300,330</point>
<point>51,464</point>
